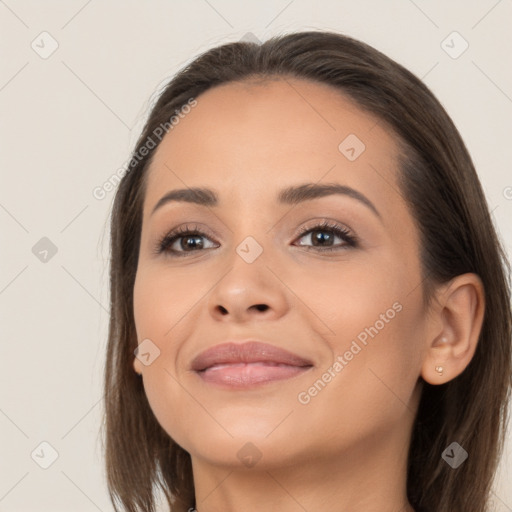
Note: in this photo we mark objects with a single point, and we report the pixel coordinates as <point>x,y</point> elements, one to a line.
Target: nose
<point>248,291</point>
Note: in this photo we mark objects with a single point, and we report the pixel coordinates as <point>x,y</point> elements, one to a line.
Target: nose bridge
<point>251,232</point>
<point>250,229</point>
<point>250,250</point>
<point>248,285</point>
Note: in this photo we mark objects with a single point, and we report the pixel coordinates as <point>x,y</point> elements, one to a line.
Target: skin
<point>346,449</point>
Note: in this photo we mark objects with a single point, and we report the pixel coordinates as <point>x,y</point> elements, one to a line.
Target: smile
<point>243,375</point>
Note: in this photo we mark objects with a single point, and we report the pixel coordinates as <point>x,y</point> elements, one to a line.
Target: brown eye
<point>323,237</point>
<point>182,241</point>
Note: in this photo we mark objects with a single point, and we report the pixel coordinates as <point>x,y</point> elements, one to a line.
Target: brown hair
<point>439,183</point>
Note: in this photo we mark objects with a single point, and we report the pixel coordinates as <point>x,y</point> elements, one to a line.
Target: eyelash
<point>343,233</point>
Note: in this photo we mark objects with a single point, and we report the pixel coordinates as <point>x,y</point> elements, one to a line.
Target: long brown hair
<point>439,183</point>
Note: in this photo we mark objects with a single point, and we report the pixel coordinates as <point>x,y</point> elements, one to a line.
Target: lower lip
<point>243,375</point>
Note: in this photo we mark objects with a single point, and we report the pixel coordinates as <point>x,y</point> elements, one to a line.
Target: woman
<point>310,304</point>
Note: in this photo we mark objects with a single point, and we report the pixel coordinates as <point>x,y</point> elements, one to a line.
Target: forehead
<point>253,138</point>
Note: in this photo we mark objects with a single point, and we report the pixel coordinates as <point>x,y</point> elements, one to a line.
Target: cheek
<point>350,299</point>
<point>370,389</point>
<point>163,312</point>
<point>171,405</point>
<point>376,327</point>
<point>162,299</point>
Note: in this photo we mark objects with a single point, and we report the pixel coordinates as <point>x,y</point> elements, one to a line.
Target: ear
<point>458,316</point>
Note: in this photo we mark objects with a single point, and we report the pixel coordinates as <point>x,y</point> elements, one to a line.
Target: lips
<point>246,365</point>
<point>248,352</point>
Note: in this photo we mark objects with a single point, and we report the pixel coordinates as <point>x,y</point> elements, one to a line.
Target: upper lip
<point>248,352</point>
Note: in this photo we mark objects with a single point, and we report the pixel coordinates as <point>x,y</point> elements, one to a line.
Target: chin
<point>244,454</point>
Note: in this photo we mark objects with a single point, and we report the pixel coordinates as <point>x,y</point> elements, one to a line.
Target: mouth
<point>247,365</point>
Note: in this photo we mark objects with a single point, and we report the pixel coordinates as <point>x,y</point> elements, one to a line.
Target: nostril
<point>261,307</point>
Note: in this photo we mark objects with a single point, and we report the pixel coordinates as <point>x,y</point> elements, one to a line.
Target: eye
<point>185,240</point>
<point>324,243</point>
<point>181,241</point>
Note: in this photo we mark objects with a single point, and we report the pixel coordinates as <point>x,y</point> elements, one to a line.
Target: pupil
<point>321,238</point>
<point>196,243</point>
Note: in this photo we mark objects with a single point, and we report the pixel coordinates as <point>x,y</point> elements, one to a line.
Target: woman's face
<point>347,301</point>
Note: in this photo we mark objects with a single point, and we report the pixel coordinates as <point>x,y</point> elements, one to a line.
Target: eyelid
<point>339,230</point>
<point>170,236</point>
<point>326,223</point>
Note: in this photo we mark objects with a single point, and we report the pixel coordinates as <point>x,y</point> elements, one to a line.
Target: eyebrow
<point>290,195</point>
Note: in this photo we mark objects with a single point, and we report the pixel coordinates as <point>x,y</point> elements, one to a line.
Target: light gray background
<point>69,121</point>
